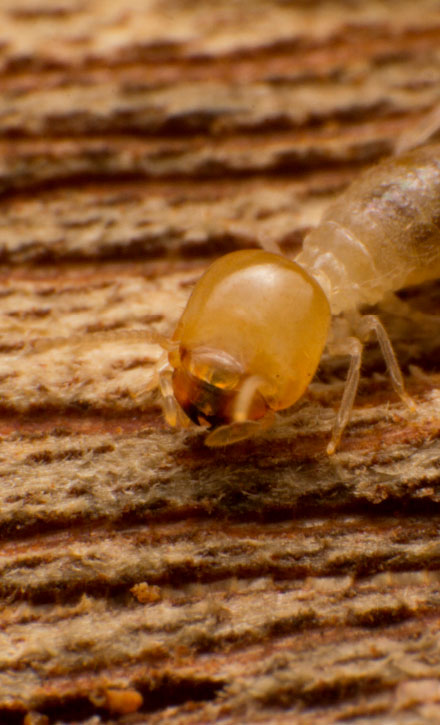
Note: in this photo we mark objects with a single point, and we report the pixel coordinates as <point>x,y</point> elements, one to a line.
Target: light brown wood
<point>143,576</point>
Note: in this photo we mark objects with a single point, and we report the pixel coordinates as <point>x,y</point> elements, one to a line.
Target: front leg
<point>173,413</point>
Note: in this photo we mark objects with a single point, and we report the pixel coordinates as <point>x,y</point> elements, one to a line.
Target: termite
<point>253,331</point>
<point>255,326</point>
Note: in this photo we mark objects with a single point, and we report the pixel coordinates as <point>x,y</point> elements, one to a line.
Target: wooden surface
<point>144,577</point>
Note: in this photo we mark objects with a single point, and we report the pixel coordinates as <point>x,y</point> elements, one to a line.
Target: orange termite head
<point>249,339</point>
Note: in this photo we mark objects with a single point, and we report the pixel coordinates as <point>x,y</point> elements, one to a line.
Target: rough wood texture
<point>143,576</point>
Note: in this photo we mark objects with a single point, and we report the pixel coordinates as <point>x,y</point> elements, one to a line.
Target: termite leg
<point>161,378</point>
<point>159,368</point>
<point>353,347</point>
<point>173,413</point>
<point>371,323</point>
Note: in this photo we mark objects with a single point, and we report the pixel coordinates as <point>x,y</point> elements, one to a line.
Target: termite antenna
<point>91,339</point>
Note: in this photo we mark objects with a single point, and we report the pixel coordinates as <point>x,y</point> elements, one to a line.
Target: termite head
<point>206,385</point>
<point>246,345</point>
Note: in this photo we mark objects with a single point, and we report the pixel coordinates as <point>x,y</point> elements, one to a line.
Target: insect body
<point>252,334</point>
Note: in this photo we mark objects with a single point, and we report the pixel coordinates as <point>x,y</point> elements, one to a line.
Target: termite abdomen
<point>382,233</point>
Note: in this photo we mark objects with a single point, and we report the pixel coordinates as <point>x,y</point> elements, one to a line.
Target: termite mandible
<point>255,326</point>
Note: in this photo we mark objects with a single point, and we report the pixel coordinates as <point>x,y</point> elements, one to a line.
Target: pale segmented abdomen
<point>381,234</point>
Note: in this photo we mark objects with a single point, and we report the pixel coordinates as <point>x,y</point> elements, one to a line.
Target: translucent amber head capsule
<point>249,340</point>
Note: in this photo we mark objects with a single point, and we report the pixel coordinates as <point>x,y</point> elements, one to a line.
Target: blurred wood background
<point>144,577</point>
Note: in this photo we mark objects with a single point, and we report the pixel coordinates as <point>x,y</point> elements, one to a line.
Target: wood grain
<point>143,576</point>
